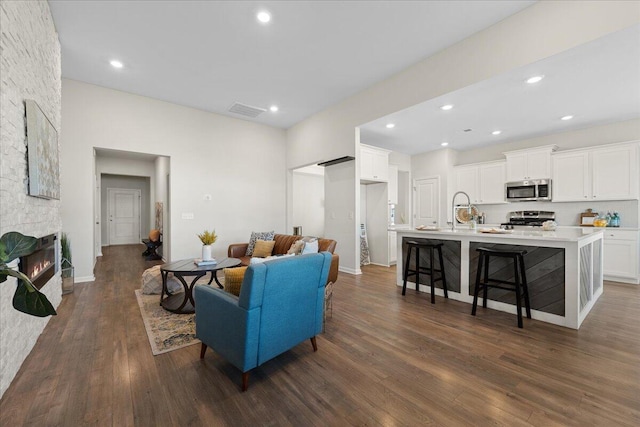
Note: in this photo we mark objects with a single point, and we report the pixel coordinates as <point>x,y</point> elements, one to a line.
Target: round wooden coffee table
<point>183,302</point>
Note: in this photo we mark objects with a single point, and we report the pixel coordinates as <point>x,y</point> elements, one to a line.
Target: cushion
<point>154,235</point>
<point>233,278</point>
<point>296,247</point>
<point>263,248</point>
<point>310,247</point>
<point>264,235</point>
<point>152,282</point>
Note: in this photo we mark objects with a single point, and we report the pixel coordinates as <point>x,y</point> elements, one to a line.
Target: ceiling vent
<point>246,110</point>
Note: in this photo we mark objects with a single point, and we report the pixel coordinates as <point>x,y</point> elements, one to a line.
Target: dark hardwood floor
<point>383,360</point>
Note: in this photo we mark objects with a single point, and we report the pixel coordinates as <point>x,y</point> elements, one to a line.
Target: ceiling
<point>209,55</point>
<point>597,83</point>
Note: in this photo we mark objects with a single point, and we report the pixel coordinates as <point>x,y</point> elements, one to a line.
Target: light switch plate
<point>187,215</point>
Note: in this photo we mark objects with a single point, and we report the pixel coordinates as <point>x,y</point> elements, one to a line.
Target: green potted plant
<point>208,238</point>
<point>65,265</point>
<point>27,298</point>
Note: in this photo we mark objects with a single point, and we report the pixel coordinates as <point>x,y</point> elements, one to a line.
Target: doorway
<point>426,201</point>
<point>123,207</point>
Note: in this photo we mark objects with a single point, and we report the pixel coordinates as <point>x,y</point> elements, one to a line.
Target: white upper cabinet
<point>465,178</point>
<point>571,177</point>
<point>615,172</point>
<point>532,163</point>
<point>483,182</point>
<point>374,164</point>
<point>492,179</point>
<point>393,184</point>
<point>603,173</point>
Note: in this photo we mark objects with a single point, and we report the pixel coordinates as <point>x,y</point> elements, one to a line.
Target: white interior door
<point>124,216</point>
<point>426,201</point>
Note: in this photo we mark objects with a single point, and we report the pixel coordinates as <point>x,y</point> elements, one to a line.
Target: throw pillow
<point>310,247</point>
<point>269,258</point>
<point>264,235</point>
<point>233,278</point>
<point>296,247</point>
<point>263,248</point>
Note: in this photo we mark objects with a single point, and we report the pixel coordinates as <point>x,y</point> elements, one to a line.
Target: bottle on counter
<point>615,220</point>
<point>608,219</point>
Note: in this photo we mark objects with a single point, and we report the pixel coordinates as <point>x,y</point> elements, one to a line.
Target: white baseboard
<point>350,270</point>
<point>621,279</point>
<point>83,279</point>
<point>381,265</point>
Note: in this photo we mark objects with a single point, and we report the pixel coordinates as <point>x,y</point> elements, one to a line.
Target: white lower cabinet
<point>393,247</point>
<point>621,255</point>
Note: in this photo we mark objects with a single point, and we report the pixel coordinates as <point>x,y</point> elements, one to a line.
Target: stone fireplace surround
<point>29,69</point>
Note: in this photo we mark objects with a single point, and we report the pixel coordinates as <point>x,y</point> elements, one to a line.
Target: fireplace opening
<point>40,266</point>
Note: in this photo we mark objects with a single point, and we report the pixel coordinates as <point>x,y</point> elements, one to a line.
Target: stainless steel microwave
<point>529,190</point>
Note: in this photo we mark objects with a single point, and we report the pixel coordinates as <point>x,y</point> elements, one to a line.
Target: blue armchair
<point>280,305</point>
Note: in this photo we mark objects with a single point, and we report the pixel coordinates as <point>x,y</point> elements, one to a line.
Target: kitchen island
<point>563,267</point>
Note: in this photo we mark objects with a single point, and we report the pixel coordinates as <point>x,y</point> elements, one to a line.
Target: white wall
<point>239,163</point>
<point>308,203</point>
<point>403,161</point>
<point>341,211</point>
<point>628,130</point>
<point>432,164</point>
<point>29,69</point>
<point>377,221</point>
<point>540,31</point>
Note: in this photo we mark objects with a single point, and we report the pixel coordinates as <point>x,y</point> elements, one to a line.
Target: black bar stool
<point>416,246</point>
<point>519,285</point>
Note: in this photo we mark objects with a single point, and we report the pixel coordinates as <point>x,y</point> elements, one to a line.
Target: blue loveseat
<point>280,305</point>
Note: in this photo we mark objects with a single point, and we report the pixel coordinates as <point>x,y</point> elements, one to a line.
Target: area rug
<point>166,331</point>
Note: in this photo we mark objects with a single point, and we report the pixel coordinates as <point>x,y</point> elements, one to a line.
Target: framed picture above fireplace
<point>42,143</point>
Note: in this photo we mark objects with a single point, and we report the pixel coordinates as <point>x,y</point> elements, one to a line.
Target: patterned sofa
<point>282,245</point>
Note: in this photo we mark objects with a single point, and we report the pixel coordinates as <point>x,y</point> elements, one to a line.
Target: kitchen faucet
<point>453,208</point>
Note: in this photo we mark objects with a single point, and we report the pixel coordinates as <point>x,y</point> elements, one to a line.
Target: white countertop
<point>568,234</point>
<point>398,227</point>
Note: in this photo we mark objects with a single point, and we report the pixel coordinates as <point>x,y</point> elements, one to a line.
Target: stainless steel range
<point>528,218</point>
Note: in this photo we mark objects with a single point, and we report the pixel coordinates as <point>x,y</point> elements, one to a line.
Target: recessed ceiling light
<point>116,64</point>
<point>446,107</point>
<point>496,132</point>
<point>566,118</point>
<point>273,108</point>
<point>390,125</point>
<point>263,17</point>
<point>444,144</point>
<point>534,79</point>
